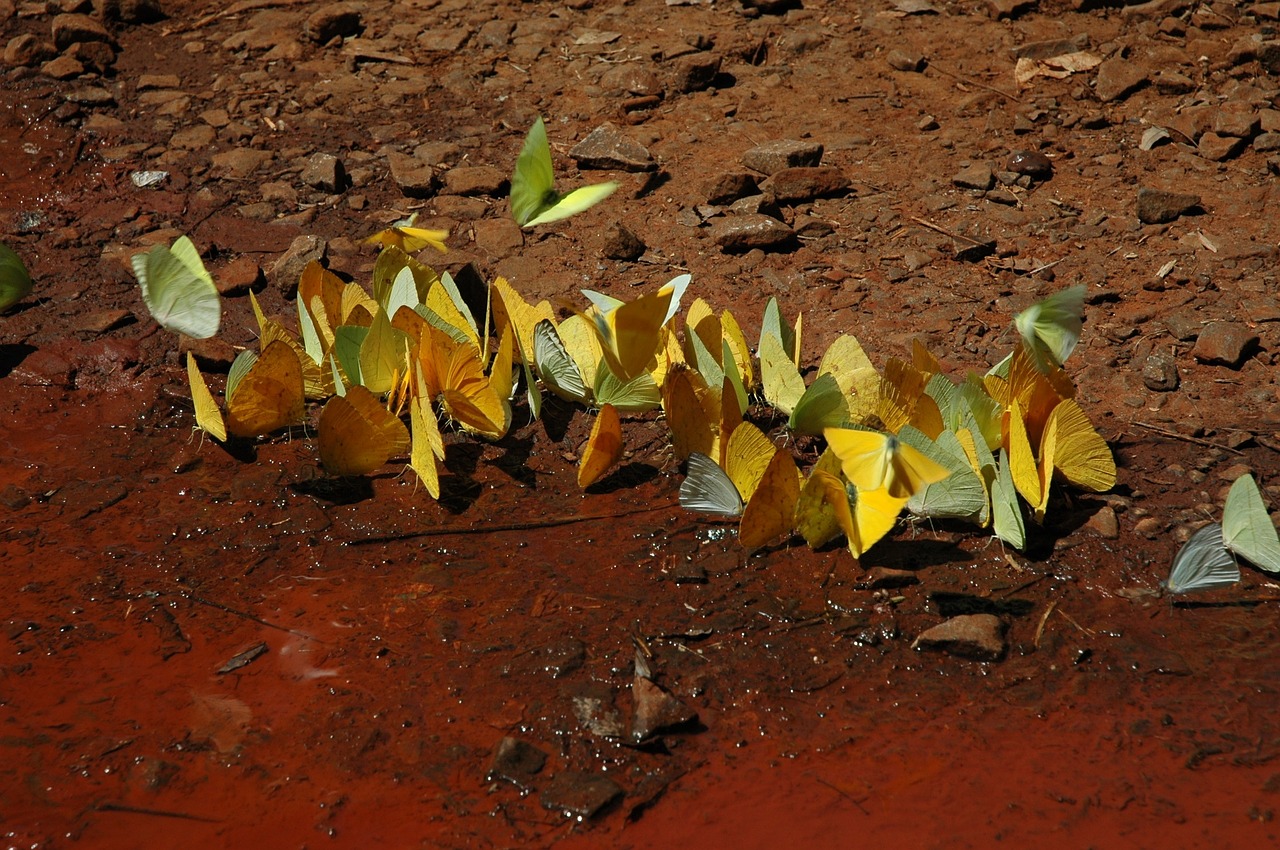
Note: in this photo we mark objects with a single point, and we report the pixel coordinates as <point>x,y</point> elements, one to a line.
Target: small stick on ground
<point>972,82</point>
<point>1175,435</point>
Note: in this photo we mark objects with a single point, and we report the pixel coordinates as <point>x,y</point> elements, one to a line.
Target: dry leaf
<point>1152,137</point>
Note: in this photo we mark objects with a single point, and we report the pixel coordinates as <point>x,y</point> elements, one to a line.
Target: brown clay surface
<point>136,561</point>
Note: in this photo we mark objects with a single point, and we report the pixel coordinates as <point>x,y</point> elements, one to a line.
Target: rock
<point>498,237</point>
<point>97,56</point>
<point>43,368</point>
<point>621,244</point>
<point>325,172</point>
<point>757,205</point>
<point>1104,523</point>
<point>69,29</point>
<point>979,637</point>
<point>729,187</point>
<point>1156,206</point>
<point>579,795</point>
<point>414,177</point>
<point>593,706</point>
<point>128,11</point>
<point>608,148</point>
<point>240,162</point>
<point>333,21</point>
<point>1004,9</point>
<point>475,180</point>
<point>784,153</point>
<point>976,176</point>
<point>630,78</point>
<point>1160,372</point>
<point>903,60</point>
<point>62,68</point>
<point>1116,78</point>
<point>695,72</point>
<point>886,577</point>
<point>1032,163</point>
<point>101,321</point>
<point>1216,148</point>
<point>151,82</point>
<point>1267,142</point>
<point>27,50</point>
<point>239,276</point>
<point>286,270</point>
<point>1224,343</point>
<point>769,7</point>
<point>1183,325</point>
<point>1240,124</point>
<point>91,96</point>
<point>804,183</point>
<point>1039,50</point>
<point>199,137</point>
<point>655,711</point>
<point>744,232</point>
<point>516,762</point>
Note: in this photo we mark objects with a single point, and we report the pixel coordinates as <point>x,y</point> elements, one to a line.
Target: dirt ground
<point>207,647</point>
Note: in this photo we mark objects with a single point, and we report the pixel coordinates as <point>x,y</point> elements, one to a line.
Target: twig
<point>1044,619</point>
<point>1175,435</point>
<point>189,595</point>
<point>532,525</point>
<point>1067,617</point>
<point>946,232</point>
<point>157,813</point>
<point>971,82</point>
<point>842,793</point>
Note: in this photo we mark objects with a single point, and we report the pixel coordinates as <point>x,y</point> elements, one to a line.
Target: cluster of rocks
<point>78,44</point>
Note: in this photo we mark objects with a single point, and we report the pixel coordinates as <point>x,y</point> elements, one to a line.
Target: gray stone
<point>414,177</point>
<point>979,637</point>
<point>240,162</point>
<point>976,176</point>
<point>630,78</point>
<point>1216,148</point>
<point>729,187</point>
<point>69,29</point>
<point>804,183</point>
<point>1183,325</point>
<point>516,761</point>
<point>1160,372</point>
<point>286,271</point>
<point>757,205</point>
<point>1224,344</point>
<point>1267,142</point>
<point>593,706</point>
<point>695,72</point>
<point>90,96</point>
<point>1117,78</point>
<point>784,153</point>
<point>475,180</point>
<point>332,21</point>
<point>607,147</point>
<point>1156,206</point>
<point>498,237</point>
<point>621,244</point>
<point>579,795</point>
<point>1048,49</point>
<point>655,711</point>
<point>325,172</point>
<point>744,232</point>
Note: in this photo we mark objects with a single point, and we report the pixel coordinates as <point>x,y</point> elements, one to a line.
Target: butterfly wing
<point>821,406</point>
<point>708,489</point>
<point>15,281</point>
<point>864,455</point>
<point>1247,529</point>
<point>357,434</point>
<point>533,183</point>
<point>178,290</point>
<point>770,513</point>
<point>604,447</point>
<point>1202,563</point>
<point>1006,510</point>
<point>208,416</point>
<point>558,370</point>
<point>573,203</point>
<point>1051,328</point>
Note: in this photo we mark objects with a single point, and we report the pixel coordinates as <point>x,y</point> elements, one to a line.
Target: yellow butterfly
<point>265,392</point>
<point>700,419</point>
<point>630,332</point>
<point>407,238</point>
<point>316,382</point>
<point>208,416</point>
<point>871,516</point>
<point>454,376</point>
<point>426,446</point>
<point>604,447</point>
<point>1069,445</point>
<point>903,400</point>
<point>874,461</point>
<point>357,434</point>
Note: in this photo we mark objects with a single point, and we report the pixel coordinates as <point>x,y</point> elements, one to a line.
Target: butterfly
<point>962,494</point>
<point>316,381</point>
<point>534,199</point>
<point>208,415</point>
<point>760,484</point>
<point>788,337</point>
<point>426,445</point>
<point>1247,529</point>
<point>15,281</point>
<point>408,238</point>
<point>604,447</point>
<point>357,434</point>
<point>453,374</point>
<point>872,460</point>
<point>1049,330</point>
<point>1068,444</point>
<point>1006,510</point>
<point>710,336</point>
<point>865,516</point>
<point>264,391</point>
<point>570,362</point>
<point>630,332</point>
<point>178,289</point>
<point>1203,563</point>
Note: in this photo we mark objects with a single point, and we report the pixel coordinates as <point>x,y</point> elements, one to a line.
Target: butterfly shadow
<point>624,477</point>
<point>11,356</point>
<point>514,459</point>
<point>459,490</point>
<point>336,490</point>
<point>952,604</point>
<point>556,416</point>
<point>914,555</point>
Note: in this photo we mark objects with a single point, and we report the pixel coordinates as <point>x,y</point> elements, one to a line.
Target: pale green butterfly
<point>534,199</point>
<point>1049,329</point>
<point>1006,511</point>
<point>1202,563</point>
<point>638,395</point>
<point>1246,526</point>
<point>809,409</point>
<point>960,495</point>
<point>15,281</point>
<point>178,290</point>
<point>558,370</point>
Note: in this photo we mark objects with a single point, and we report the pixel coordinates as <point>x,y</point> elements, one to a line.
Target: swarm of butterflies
<point>905,438</point>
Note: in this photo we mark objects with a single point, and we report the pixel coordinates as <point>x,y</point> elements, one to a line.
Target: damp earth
<point>211,647</point>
